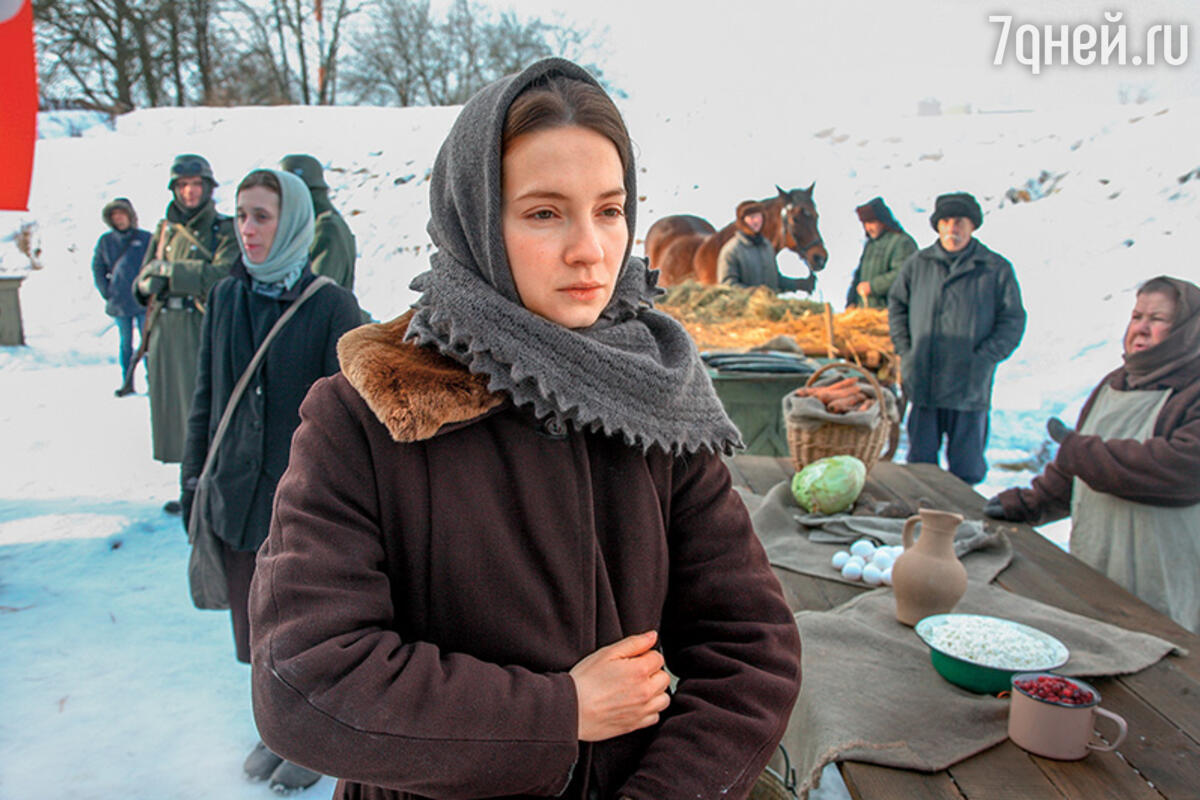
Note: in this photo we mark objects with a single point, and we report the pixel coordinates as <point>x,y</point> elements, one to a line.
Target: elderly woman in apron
<point>1130,474</point>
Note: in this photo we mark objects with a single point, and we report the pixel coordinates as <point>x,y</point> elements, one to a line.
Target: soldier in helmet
<point>192,249</point>
<point>333,249</point>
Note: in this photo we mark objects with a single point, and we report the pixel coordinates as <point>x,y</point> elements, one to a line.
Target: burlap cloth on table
<point>806,543</point>
<point>870,693</point>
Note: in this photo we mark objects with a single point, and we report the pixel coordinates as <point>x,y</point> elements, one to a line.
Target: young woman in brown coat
<point>507,517</point>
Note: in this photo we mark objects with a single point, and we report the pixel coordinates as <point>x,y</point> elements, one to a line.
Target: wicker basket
<point>831,439</point>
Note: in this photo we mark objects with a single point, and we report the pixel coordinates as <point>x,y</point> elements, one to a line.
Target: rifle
<point>153,309</point>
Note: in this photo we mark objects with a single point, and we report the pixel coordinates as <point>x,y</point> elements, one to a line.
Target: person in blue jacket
<point>115,264</point>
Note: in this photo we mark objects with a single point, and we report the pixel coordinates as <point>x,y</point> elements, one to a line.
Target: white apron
<point>1153,551</point>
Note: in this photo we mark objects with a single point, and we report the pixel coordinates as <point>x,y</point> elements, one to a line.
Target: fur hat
<point>119,204</point>
<point>957,204</point>
<point>744,209</point>
<point>875,210</point>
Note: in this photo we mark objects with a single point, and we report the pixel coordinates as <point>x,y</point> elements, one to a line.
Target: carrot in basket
<point>844,404</point>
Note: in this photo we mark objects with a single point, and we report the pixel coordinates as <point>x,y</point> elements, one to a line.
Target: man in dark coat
<point>115,264</point>
<point>748,259</point>
<point>333,249</point>
<point>954,313</point>
<point>888,247</point>
<point>192,249</point>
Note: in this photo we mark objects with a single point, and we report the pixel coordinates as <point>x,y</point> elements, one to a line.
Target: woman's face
<point>258,218</point>
<point>1151,321</point>
<point>564,222</point>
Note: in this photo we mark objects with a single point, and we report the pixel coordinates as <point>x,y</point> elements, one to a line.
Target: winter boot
<point>261,762</point>
<point>289,778</point>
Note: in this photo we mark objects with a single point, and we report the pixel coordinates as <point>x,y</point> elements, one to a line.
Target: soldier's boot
<point>261,762</point>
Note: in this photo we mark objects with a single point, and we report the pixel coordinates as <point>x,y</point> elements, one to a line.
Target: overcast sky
<point>843,55</point>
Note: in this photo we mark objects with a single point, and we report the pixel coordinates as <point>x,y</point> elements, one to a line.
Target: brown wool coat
<point>1161,471</point>
<point>438,561</point>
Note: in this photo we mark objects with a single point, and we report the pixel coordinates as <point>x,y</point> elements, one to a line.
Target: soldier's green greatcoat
<point>333,249</point>
<point>199,249</point>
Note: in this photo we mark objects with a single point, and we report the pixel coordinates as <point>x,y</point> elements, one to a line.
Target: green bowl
<point>979,677</point>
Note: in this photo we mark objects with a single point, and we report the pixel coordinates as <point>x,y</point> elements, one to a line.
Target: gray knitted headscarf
<point>635,372</point>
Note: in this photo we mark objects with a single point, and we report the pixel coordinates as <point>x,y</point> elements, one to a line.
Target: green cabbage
<point>829,485</point>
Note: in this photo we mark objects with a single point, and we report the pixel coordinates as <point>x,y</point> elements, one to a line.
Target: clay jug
<point>928,578</point>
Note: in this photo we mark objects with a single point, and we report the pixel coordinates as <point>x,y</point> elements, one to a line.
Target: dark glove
<point>994,508</point>
<point>154,278</point>
<point>806,284</point>
<point>187,496</point>
<point>1057,429</point>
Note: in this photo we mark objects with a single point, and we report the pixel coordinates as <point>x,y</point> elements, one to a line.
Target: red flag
<point>18,103</point>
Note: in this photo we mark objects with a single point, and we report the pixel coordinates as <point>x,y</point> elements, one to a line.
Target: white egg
<point>887,577</point>
<point>872,575</point>
<point>897,550</point>
<point>840,558</point>
<point>882,559</point>
<point>852,571</point>
<point>862,562</point>
<point>864,548</point>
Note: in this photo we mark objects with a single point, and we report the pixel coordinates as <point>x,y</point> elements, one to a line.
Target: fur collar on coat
<point>413,391</point>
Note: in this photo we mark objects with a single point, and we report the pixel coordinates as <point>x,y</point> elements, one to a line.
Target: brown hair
<point>264,178</point>
<point>1161,285</point>
<point>559,101</point>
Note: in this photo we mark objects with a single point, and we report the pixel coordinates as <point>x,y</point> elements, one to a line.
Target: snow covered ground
<point>113,686</point>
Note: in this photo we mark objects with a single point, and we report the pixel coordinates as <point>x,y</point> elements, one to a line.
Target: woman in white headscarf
<point>275,230</point>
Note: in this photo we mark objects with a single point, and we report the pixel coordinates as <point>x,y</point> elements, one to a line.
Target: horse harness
<point>785,218</point>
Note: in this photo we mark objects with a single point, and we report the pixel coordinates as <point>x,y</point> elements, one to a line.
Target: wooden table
<point>1161,756</point>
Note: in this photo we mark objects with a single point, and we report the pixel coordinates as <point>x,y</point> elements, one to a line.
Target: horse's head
<point>800,227</point>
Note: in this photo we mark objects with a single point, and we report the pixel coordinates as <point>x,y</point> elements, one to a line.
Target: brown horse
<point>685,247</point>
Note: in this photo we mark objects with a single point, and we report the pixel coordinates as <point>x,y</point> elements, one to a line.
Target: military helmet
<point>307,168</point>
<point>189,165</point>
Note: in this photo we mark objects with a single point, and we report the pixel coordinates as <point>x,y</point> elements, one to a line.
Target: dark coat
<point>879,265</point>
<point>748,259</point>
<point>174,337</point>
<point>333,250</point>
<point>438,561</point>
<point>254,452</point>
<point>953,318</point>
<point>115,265</point>
<point>1161,471</point>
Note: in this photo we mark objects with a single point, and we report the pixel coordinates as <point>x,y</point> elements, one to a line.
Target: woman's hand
<point>621,688</point>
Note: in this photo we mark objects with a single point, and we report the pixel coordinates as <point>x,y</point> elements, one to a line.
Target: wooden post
<point>12,332</point>
<point>829,346</point>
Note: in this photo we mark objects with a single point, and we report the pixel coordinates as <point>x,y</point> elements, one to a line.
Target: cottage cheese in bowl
<point>981,653</point>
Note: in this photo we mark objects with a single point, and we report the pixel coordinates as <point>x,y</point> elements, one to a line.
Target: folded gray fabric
<point>809,547</point>
<point>871,694</point>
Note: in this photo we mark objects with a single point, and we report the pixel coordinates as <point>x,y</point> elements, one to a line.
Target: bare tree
<point>295,42</point>
<point>405,56</point>
<point>122,54</point>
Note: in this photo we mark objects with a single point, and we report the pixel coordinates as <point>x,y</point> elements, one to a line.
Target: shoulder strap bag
<point>206,569</point>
